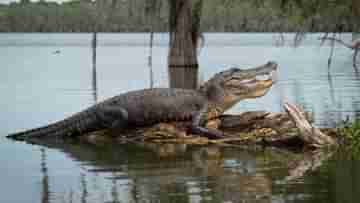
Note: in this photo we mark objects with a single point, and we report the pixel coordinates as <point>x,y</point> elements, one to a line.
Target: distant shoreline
<point>82,16</point>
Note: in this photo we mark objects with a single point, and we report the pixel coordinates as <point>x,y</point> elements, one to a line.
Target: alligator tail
<point>77,124</point>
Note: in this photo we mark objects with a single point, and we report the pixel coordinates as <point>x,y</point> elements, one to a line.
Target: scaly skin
<point>151,106</point>
<point>144,107</point>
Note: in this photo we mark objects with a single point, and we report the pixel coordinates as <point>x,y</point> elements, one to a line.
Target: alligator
<point>151,106</point>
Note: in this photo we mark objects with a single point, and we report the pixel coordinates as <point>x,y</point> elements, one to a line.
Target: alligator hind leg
<point>112,117</point>
<point>209,133</point>
<point>200,120</point>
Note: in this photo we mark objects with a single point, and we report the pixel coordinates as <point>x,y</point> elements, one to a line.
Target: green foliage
<point>351,136</point>
<point>24,1</point>
<point>329,15</point>
<point>143,15</point>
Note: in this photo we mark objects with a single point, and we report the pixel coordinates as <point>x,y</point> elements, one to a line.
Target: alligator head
<point>230,86</point>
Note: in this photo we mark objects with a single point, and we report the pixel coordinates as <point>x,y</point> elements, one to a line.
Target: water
<point>39,86</point>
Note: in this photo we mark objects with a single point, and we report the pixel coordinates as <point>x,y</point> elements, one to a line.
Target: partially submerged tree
<point>184,29</point>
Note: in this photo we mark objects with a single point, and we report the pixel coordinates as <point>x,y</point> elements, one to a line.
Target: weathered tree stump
<point>309,134</point>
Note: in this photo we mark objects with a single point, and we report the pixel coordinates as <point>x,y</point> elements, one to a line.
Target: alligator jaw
<point>251,83</point>
<point>263,84</point>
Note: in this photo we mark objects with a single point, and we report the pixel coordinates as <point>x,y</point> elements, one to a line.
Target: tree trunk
<point>182,50</point>
<point>355,36</point>
<point>94,73</point>
<point>183,77</point>
<point>356,15</point>
<point>182,53</point>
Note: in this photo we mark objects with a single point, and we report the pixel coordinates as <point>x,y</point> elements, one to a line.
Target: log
<point>289,129</point>
<point>308,134</point>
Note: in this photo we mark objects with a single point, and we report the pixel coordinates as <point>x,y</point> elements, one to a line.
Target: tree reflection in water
<point>45,197</point>
<point>181,173</point>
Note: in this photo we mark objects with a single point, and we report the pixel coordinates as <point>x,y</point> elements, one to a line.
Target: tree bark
<point>182,50</point>
<point>356,13</point>
<point>356,16</point>
<point>183,77</point>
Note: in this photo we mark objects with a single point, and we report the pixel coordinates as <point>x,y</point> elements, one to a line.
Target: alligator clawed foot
<point>208,133</point>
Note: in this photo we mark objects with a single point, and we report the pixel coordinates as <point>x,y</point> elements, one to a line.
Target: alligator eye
<point>271,63</point>
<point>235,69</point>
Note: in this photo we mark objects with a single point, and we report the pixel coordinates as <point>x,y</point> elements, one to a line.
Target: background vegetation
<point>147,15</point>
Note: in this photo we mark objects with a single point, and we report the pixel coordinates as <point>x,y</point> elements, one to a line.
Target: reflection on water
<point>183,173</point>
<point>39,87</point>
<point>45,197</point>
<point>84,191</point>
<point>346,181</point>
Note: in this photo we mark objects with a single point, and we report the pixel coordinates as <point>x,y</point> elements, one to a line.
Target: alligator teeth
<point>247,81</point>
<point>262,77</point>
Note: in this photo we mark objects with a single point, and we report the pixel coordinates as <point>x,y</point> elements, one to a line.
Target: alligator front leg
<point>112,117</point>
<point>198,123</point>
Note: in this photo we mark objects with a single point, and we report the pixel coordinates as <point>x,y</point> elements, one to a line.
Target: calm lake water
<point>46,77</point>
